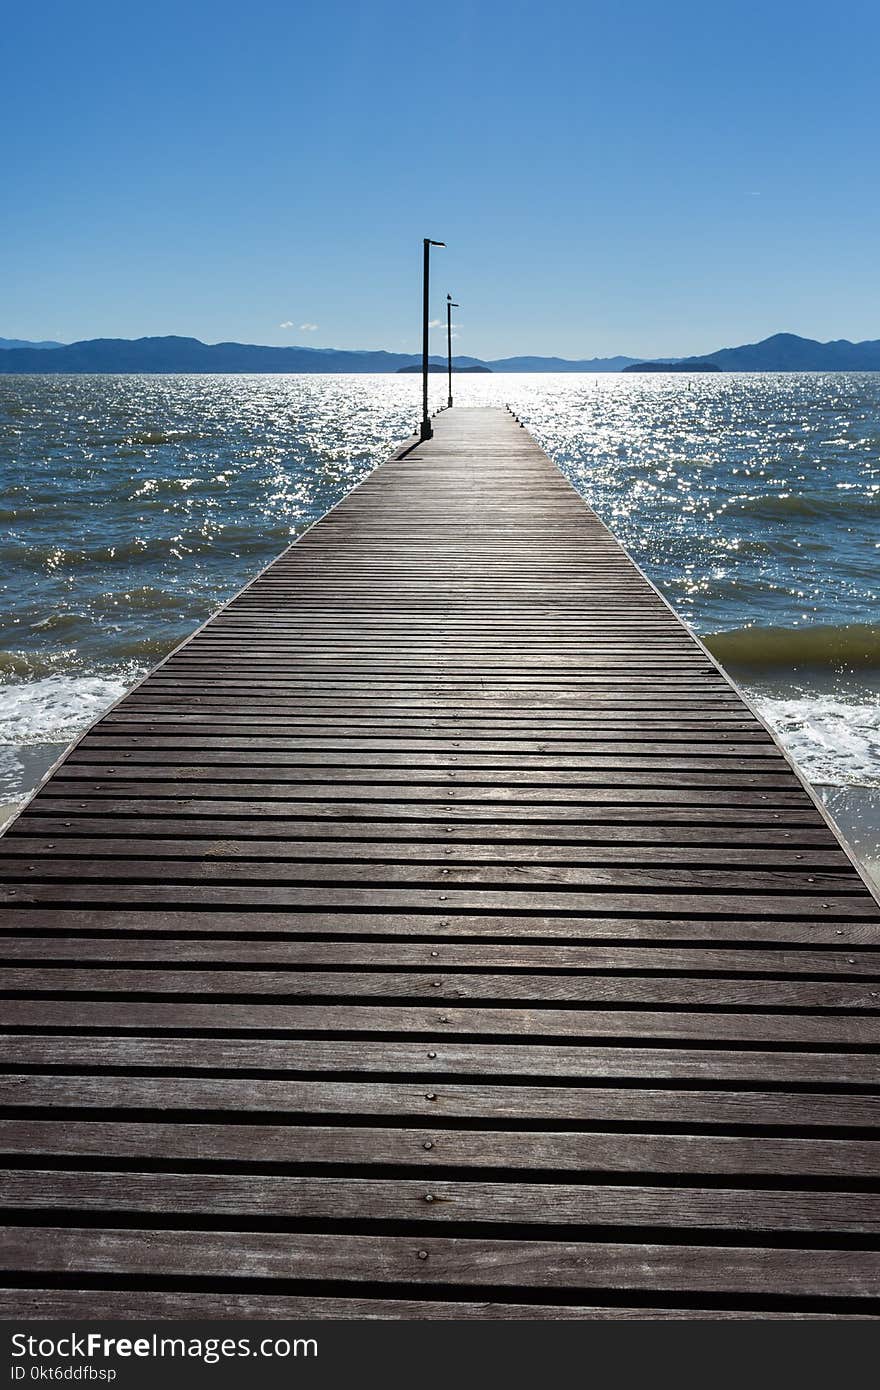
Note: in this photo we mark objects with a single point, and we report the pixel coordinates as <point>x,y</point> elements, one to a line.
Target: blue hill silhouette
<point>784,352</point>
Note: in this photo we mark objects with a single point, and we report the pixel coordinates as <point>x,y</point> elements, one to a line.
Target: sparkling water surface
<point>133,506</point>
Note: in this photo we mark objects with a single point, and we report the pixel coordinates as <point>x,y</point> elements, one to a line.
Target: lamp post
<point>425,431</point>
<point>450,305</point>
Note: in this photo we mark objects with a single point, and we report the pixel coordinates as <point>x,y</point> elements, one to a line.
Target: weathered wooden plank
<point>739,809</point>
<point>155,723</point>
<point>430,1148</point>
<point>441,1201</point>
<point>76,1304</point>
<point>92,761</point>
<point>437,926</point>
<point>416,784</point>
<point>445,897</point>
<point>435,1260</point>
<point>716,992</point>
<point>673,833</point>
<point>513,767</point>
<point>577,1104</point>
<point>256,1056</point>
<point>143,714</point>
<point>29,850</point>
<point>830,1030</point>
<point>862,967</point>
<point>449,871</point>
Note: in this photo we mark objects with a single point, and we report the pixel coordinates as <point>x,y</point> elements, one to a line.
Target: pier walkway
<point>437,933</point>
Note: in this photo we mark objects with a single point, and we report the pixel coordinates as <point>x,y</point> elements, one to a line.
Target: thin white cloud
<point>288,323</point>
<point>308,328</point>
<point>435,323</point>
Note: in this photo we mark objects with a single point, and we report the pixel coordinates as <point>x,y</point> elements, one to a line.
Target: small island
<point>686,366</point>
<point>438,367</point>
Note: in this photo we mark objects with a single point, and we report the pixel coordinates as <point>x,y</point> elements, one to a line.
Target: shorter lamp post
<point>450,305</point>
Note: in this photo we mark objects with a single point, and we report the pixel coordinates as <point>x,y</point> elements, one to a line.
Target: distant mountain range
<point>415,368</point>
<point>560,364</point>
<point>21,343</point>
<point>191,355</point>
<point>784,352</point>
<point>685,364</point>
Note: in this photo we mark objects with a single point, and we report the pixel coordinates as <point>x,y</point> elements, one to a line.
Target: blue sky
<point>631,176</point>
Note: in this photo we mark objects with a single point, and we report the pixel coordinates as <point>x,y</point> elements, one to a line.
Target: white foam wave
<point>54,709</point>
<point>834,742</point>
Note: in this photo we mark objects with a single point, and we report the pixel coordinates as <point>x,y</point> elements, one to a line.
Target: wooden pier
<point>438,934</point>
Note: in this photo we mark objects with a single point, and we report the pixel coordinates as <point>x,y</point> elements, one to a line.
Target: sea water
<point>132,506</point>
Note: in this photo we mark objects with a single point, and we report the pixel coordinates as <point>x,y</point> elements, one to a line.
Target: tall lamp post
<point>449,308</point>
<point>425,431</point>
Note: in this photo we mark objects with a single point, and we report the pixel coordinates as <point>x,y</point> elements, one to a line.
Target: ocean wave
<point>148,598</point>
<point>146,438</point>
<point>817,647</point>
<point>209,539</point>
<point>56,708</point>
<point>57,623</point>
<point>834,742</point>
<point>153,437</point>
<point>129,656</point>
<point>804,506</point>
